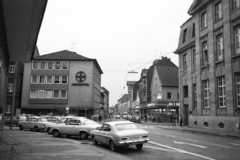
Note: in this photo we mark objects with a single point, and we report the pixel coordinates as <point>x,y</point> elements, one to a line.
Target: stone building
<point>209,65</point>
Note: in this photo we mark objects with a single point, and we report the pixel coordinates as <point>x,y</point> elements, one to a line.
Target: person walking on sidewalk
<point>145,118</point>
<point>100,118</point>
<point>180,120</point>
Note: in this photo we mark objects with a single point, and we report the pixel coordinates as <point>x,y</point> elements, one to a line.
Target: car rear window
<point>128,126</point>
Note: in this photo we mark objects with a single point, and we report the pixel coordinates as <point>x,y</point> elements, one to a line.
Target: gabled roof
<point>197,4</point>
<point>67,55</point>
<point>168,76</point>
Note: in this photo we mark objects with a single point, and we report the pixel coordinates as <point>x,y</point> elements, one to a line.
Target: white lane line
<point>183,151</point>
<point>219,145</point>
<point>236,144</point>
<point>190,144</point>
<point>163,149</point>
<point>192,140</point>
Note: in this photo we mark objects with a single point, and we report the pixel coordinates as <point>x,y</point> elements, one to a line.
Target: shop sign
<point>173,104</point>
<point>80,84</point>
<point>150,104</point>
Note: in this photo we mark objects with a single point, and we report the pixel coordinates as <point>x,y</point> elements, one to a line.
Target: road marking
<point>236,144</point>
<point>192,140</point>
<point>190,144</point>
<point>163,149</point>
<point>182,151</point>
<point>220,145</point>
<point>164,135</point>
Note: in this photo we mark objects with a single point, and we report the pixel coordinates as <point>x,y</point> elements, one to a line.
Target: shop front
<point>162,111</point>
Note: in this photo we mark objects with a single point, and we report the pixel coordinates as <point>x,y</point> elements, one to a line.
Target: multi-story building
<point>60,83</point>
<point>104,102</point>
<point>123,106</point>
<point>209,58</point>
<point>158,89</point>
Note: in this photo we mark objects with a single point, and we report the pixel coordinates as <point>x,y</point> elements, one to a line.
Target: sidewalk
<point>205,131</point>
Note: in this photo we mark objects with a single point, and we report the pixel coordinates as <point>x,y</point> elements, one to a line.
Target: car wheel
<point>36,129</point>
<point>139,146</point>
<point>20,127</point>
<point>56,133</point>
<point>83,135</point>
<point>48,131</point>
<point>94,141</point>
<point>113,147</point>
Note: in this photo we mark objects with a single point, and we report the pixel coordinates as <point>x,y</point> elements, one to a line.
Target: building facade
<point>209,70</point>
<point>104,102</point>
<point>61,83</point>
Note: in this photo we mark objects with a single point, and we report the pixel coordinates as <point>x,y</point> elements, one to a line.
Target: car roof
<point>118,122</point>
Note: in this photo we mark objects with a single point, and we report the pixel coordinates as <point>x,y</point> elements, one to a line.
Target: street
<point>164,144</point>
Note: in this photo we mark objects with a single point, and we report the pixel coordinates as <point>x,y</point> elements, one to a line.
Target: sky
<point>123,35</point>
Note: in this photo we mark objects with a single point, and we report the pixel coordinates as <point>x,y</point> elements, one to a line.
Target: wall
<point>26,84</point>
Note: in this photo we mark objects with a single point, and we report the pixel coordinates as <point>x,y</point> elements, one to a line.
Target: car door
<point>67,129</point>
<point>102,133</point>
<point>26,124</point>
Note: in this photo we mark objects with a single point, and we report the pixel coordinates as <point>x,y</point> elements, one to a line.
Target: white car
<point>75,127</point>
<point>34,123</point>
<point>120,133</point>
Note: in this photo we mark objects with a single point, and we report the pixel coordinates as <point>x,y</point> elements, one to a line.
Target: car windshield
<point>126,126</point>
<point>89,122</point>
<point>42,120</point>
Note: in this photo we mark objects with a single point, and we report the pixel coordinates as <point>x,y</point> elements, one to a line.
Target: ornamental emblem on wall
<point>81,76</point>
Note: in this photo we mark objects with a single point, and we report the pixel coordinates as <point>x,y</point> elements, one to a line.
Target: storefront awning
<point>160,105</point>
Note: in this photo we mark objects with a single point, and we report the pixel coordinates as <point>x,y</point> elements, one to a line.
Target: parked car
<point>116,116</point>
<point>33,123</point>
<point>15,120</point>
<point>75,127</point>
<point>136,119</point>
<point>120,133</point>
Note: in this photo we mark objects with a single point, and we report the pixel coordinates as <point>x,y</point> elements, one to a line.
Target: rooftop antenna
<point>72,46</point>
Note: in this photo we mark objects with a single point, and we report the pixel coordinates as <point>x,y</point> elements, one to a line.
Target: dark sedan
<point>136,119</point>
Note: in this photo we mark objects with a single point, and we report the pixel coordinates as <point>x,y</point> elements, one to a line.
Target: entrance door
<point>185,115</point>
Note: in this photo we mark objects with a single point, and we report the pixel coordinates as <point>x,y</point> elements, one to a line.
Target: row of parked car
<point>135,119</point>
<point>113,133</point>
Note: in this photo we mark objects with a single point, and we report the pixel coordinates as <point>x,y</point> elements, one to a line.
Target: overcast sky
<point>123,35</point>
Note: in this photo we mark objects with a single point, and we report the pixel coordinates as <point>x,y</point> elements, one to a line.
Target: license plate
<point>134,138</point>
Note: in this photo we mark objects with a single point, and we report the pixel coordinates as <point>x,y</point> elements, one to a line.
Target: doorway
<point>185,115</point>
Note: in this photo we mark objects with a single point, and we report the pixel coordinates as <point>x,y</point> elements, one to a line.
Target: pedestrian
<point>153,119</point>
<point>145,118</point>
<point>180,120</point>
<point>176,120</point>
<point>100,118</point>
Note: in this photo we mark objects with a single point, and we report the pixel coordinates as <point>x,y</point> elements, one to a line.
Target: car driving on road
<point>120,133</point>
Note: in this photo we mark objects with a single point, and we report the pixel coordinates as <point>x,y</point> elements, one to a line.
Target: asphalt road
<point>164,145</point>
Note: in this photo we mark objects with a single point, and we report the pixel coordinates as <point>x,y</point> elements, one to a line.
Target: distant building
<point>61,83</point>
<point>123,104</point>
<point>209,58</point>
<point>104,102</point>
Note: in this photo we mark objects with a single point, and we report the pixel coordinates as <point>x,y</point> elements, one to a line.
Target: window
<point>34,79</point>
<point>194,57</point>
<point>33,93</point>
<point>35,65</point>
<point>185,91</point>
<point>64,80</point>
<point>194,96</point>
<point>11,68</point>
<point>63,94</point>
<point>48,94</point>
<point>169,95</point>
<point>204,53</point>
<point>42,65</point>
<point>57,65</point>
<point>177,95</point>
<point>56,94</point>
<point>50,65</point>
<point>204,20</point>
<point>41,94</point>
<point>41,79</point>
<point>218,10</point>
<point>237,75</point>
<point>49,79</point>
<point>206,98</point>
<point>237,40</point>
<point>8,108</point>
<point>185,61</point>
<point>236,4</point>
<point>221,92</point>
<point>65,65</point>
<point>10,87</point>
<point>219,47</point>
<point>193,30</point>
<point>57,79</point>
<point>184,35</point>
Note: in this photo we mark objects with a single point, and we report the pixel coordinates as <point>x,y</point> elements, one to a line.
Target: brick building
<point>209,65</point>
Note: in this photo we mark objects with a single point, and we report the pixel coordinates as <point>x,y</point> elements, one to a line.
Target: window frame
<point>32,79</point>
<point>237,92</point>
<point>206,95</point>
<point>236,5</point>
<point>41,65</point>
<point>204,21</point>
<point>237,39</point>
<point>169,94</point>
<point>218,11</point>
<point>37,62</point>
<point>10,87</point>
<point>185,60</point>
<point>62,79</point>
<point>61,94</point>
<point>43,92</point>
<point>194,96</point>
<point>58,80</point>
<point>11,68</point>
<point>65,66</point>
<point>8,108</point>
<point>194,58</point>
<point>47,79</point>
<point>30,95</point>
<point>221,89</point>
<point>47,94</point>
<point>43,79</point>
<point>56,65</point>
<point>54,94</point>
<point>219,46</point>
<point>205,59</point>
<point>184,38</point>
<point>48,65</point>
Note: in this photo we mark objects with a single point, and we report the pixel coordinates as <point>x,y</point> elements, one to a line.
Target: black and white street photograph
<point>119,80</point>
